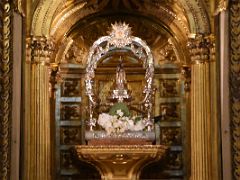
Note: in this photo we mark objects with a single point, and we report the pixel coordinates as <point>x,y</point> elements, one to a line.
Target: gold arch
<point>55,18</point>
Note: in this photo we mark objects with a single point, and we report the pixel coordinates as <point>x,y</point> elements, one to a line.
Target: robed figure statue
<point>120,77</point>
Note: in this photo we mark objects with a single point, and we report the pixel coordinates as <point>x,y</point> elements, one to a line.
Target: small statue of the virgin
<point>120,77</point>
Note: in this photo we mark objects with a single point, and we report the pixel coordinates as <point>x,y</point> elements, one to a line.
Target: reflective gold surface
<point>169,24</point>
<point>120,162</point>
<point>74,24</point>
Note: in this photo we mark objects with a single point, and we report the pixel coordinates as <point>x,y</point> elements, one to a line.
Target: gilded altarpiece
<point>169,111</point>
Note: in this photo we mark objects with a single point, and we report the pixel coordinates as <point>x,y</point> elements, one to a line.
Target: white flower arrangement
<point>119,123</point>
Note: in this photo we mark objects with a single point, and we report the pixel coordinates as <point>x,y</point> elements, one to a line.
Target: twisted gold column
<point>201,165</point>
<point>37,153</point>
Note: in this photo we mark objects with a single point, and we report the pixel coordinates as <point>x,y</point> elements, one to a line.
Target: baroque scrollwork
<point>235,86</point>
<point>5,87</point>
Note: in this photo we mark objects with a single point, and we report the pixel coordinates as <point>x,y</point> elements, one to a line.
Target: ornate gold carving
<point>67,10</point>
<point>200,17</point>
<point>170,111</point>
<point>120,162</point>
<point>71,88</point>
<point>169,88</point>
<point>168,54</point>
<point>5,87</point>
<point>39,50</point>
<point>171,136</point>
<point>37,135</point>
<point>222,6</point>
<point>70,111</point>
<point>70,135</point>
<point>212,47</point>
<point>200,48</point>
<point>19,6</point>
<point>61,19</point>
<point>76,55</point>
<point>54,78</point>
<point>235,86</point>
<point>186,73</point>
<point>201,149</point>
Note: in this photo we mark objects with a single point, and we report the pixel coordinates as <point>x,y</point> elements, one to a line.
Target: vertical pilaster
<point>37,152</point>
<point>201,163</point>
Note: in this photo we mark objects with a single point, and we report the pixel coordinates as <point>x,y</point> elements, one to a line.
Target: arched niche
<point>63,21</point>
<point>167,52</point>
<point>184,17</point>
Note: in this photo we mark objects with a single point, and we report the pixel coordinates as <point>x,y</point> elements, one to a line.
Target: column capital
<point>39,49</point>
<point>19,7</point>
<point>222,6</point>
<point>201,48</point>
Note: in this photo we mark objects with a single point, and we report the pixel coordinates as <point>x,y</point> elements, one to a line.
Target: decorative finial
<point>120,35</point>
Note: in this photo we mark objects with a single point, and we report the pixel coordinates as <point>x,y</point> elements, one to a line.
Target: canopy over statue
<point>120,38</point>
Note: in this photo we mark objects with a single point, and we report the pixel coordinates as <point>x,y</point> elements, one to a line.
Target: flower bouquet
<point>118,120</point>
<point>120,128</point>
